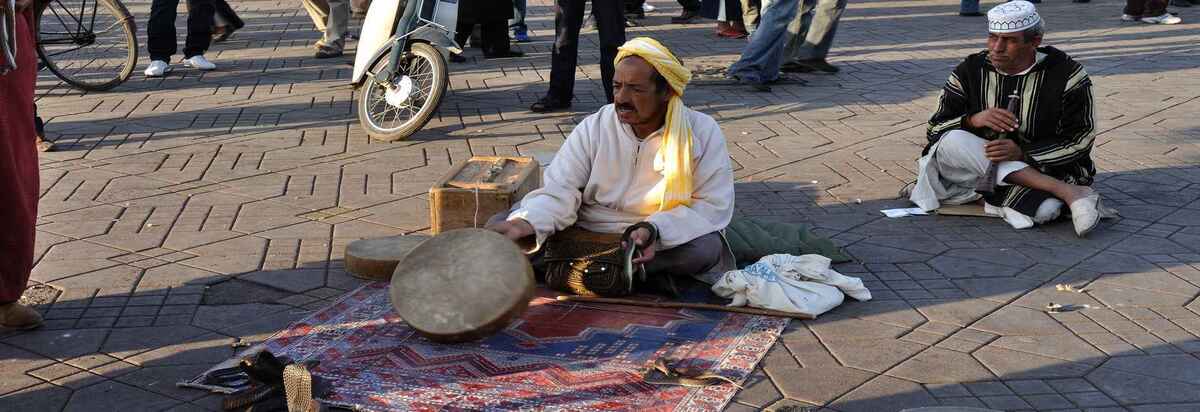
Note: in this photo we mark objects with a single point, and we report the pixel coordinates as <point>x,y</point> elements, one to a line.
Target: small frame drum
<point>462,285</point>
<point>376,259</point>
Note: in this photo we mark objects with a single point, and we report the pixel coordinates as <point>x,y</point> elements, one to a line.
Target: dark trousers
<point>692,258</point>
<point>634,6</point>
<point>695,257</point>
<point>568,19</point>
<point>1146,8</point>
<point>160,31</point>
<point>493,34</point>
<point>689,5</point>
<point>222,8</point>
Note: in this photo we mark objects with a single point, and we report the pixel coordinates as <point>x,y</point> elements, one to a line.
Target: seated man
<point>644,158</point>
<point>1043,158</point>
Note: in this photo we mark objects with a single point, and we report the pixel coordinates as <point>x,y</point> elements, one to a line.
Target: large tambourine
<point>462,285</point>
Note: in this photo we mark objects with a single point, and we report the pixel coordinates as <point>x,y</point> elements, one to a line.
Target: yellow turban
<point>676,148</point>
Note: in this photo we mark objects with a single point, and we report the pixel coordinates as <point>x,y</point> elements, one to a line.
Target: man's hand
<point>641,238</point>
<point>1001,150</point>
<point>996,119</point>
<point>514,229</point>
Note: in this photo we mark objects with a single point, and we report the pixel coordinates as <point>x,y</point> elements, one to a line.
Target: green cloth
<point>750,239</point>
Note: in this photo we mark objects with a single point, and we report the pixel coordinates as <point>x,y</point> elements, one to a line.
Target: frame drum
<point>376,259</point>
<point>462,285</point>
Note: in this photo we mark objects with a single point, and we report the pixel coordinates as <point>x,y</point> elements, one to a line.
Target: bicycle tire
<point>127,25</point>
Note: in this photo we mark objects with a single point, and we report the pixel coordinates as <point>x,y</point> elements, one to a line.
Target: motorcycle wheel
<point>424,71</point>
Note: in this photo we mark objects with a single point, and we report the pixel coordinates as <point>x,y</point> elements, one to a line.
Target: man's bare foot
<point>44,146</point>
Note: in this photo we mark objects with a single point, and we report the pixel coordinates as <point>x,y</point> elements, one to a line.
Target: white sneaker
<point>157,68</point>
<point>199,62</point>
<point>646,7</point>
<point>1166,18</point>
<point>1129,17</point>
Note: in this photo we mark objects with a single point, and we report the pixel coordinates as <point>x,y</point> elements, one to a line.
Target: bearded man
<point>1042,151</point>
<point>645,162</point>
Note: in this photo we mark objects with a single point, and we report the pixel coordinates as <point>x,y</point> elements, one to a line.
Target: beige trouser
<point>331,17</point>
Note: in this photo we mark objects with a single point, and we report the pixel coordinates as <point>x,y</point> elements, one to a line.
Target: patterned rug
<point>558,356</point>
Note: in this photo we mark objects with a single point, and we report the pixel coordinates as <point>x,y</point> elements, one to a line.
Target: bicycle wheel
<point>90,44</point>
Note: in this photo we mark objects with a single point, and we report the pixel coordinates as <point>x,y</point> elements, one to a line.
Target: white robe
<point>605,179</point>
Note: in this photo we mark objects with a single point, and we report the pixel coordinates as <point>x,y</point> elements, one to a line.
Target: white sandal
<point>1085,213</point>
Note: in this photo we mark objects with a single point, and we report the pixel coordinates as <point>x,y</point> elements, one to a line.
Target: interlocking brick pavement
<point>184,214</point>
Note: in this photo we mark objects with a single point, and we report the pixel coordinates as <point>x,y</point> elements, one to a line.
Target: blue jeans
<point>518,20</point>
<point>762,57</point>
<point>968,6</point>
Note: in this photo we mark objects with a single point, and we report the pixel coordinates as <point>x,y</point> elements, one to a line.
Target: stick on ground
<point>669,304</point>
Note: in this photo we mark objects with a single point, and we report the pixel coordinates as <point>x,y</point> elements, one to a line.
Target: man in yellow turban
<point>646,160</point>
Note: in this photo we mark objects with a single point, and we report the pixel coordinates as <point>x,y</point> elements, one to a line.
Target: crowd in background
<point>784,35</point>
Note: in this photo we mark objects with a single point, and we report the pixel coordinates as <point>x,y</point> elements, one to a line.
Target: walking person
<point>728,14</point>
<point>18,171</point>
<point>39,129</point>
<point>225,21</point>
<point>1149,11</point>
<point>691,12</point>
<point>812,36</point>
<point>750,15</point>
<point>492,17</point>
<point>568,19</point>
<point>635,9</point>
<point>759,65</point>
<point>161,41</point>
<point>519,29</point>
<point>332,19</point>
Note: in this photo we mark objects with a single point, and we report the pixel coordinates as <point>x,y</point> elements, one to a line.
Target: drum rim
<point>418,238</point>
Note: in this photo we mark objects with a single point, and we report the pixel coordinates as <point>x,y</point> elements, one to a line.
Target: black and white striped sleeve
<point>1076,127</point>
<point>952,106</point>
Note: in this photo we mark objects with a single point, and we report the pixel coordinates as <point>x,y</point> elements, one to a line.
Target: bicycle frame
<point>82,35</point>
<point>428,21</point>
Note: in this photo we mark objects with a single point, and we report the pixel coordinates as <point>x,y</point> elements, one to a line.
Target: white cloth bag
<point>798,284</point>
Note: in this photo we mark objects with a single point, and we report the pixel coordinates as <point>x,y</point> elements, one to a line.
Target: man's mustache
<point>624,107</point>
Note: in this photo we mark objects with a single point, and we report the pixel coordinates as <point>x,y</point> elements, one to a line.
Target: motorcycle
<point>400,68</point>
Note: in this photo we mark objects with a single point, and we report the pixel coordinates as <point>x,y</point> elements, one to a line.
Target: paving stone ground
<point>182,215</point>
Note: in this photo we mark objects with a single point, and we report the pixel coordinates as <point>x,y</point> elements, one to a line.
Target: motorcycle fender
<point>438,38</point>
<point>378,33</point>
<point>362,65</point>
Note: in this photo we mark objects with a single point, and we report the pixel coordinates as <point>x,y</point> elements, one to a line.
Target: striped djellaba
<point>1057,118</point>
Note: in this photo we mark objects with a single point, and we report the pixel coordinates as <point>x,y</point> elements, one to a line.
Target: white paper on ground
<point>911,211</point>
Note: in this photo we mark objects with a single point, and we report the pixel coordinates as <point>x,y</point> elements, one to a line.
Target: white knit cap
<point>1013,16</point>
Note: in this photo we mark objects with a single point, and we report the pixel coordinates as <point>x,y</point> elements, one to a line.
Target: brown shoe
<point>324,52</point>
<point>18,316</point>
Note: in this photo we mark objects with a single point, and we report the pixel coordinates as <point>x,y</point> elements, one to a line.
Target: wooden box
<point>475,190</point>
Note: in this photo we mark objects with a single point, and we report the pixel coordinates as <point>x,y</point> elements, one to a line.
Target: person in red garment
<point>18,172</point>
